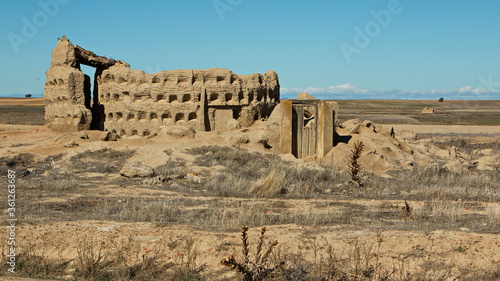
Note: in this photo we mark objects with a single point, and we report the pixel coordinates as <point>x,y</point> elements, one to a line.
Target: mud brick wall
<point>130,102</point>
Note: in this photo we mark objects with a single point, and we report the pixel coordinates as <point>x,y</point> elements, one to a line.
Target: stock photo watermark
<point>363,36</point>
<point>150,69</point>
<point>223,6</point>
<point>11,221</point>
<point>32,25</point>
<point>488,83</point>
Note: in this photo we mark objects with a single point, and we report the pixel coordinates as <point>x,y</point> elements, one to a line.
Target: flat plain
<point>432,214</point>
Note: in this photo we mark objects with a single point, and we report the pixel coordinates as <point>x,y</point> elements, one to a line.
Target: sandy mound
<point>386,149</point>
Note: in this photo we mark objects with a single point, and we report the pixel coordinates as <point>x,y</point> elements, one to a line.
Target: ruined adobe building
<point>130,102</point>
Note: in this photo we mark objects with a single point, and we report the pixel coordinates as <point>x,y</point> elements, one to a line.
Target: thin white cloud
<point>349,91</point>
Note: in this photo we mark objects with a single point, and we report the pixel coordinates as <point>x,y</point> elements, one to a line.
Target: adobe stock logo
<point>489,83</point>
<point>38,20</point>
<point>372,29</point>
<point>223,6</point>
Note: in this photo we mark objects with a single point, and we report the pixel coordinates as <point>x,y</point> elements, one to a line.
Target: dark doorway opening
<point>91,91</point>
<point>89,73</point>
<point>88,60</point>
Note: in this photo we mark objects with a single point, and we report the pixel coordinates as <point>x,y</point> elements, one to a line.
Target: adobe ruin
<point>130,102</point>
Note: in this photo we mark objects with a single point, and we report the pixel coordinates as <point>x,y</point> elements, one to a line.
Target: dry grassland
<point>79,219</point>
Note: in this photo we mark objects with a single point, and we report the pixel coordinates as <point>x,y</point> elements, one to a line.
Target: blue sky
<point>340,49</point>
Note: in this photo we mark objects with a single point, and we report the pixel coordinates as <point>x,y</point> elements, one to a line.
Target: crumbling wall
<point>64,91</point>
<point>137,103</point>
<point>129,102</point>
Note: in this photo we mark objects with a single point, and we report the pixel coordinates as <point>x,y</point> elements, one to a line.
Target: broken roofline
<point>89,58</point>
<point>130,102</point>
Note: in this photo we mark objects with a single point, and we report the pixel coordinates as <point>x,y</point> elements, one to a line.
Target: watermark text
<point>223,6</point>
<point>11,220</point>
<point>31,25</point>
<point>363,36</point>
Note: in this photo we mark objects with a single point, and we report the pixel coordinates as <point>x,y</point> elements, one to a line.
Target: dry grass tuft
<point>254,174</point>
<point>493,215</point>
<point>91,261</point>
<point>171,167</point>
<point>123,260</point>
<point>273,183</point>
<point>104,160</point>
<point>22,160</point>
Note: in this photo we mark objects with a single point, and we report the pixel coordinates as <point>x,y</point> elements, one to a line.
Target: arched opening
<point>172,98</point>
<point>166,118</point>
<point>179,116</point>
<point>141,115</point>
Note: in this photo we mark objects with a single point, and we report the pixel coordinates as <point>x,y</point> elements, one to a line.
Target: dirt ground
<point>449,112</point>
<point>449,129</point>
<point>444,227</point>
<point>22,111</point>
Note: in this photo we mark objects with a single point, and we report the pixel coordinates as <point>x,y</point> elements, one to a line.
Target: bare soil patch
<point>80,219</point>
<point>450,112</point>
<point>22,111</point>
<point>21,101</point>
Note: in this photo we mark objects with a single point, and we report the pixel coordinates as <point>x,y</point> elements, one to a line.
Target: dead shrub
<point>354,166</point>
<point>92,263</point>
<point>32,262</point>
<point>152,264</point>
<point>256,268</point>
<point>22,160</point>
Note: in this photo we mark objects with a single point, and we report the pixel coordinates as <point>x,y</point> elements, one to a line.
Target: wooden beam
<point>89,58</point>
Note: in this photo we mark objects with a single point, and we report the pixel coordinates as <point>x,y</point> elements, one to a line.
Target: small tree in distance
<point>28,96</point>
<point>441,99</point>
